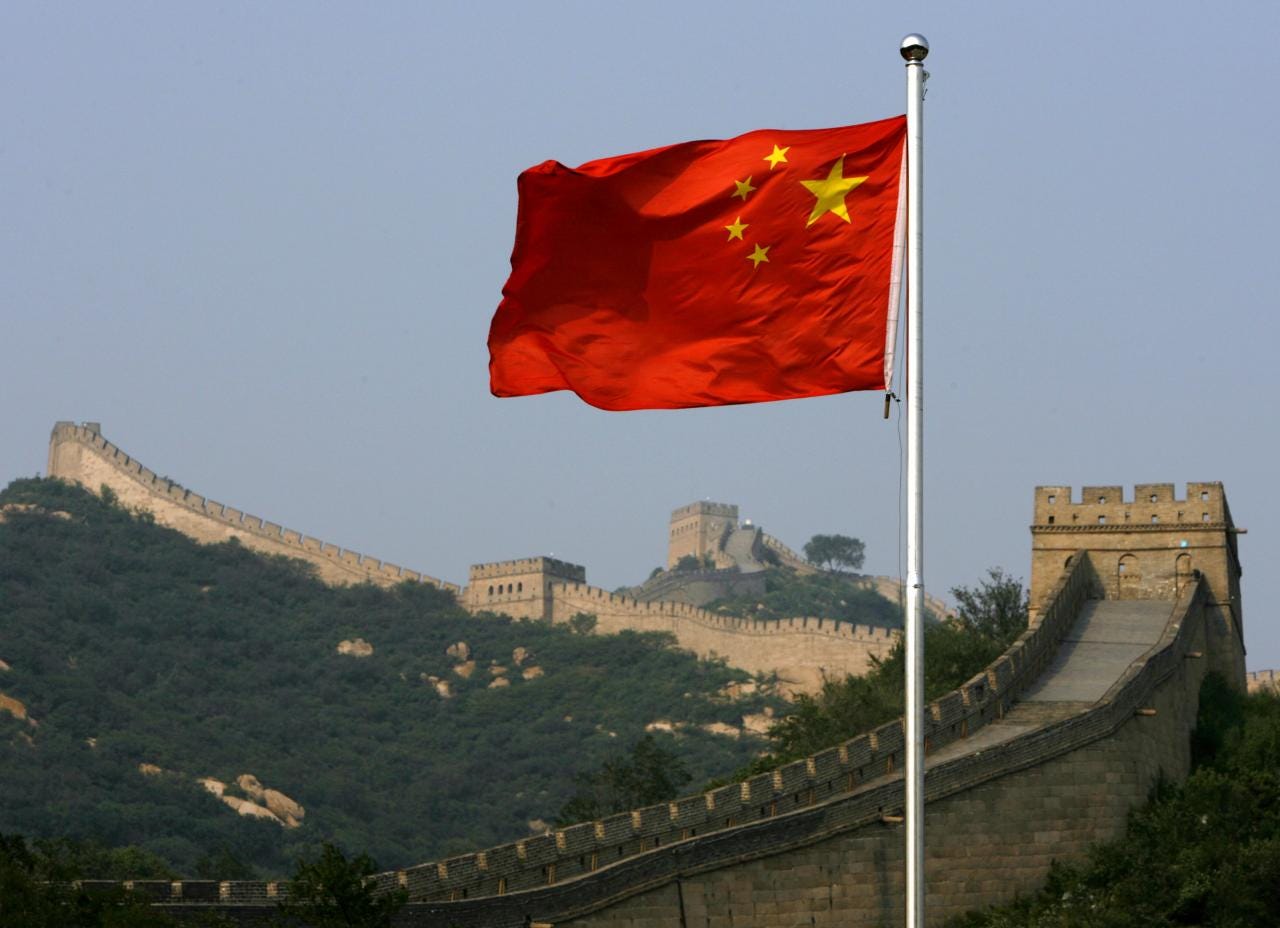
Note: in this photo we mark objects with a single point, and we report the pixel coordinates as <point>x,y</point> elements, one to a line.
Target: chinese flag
<point>762,267</point>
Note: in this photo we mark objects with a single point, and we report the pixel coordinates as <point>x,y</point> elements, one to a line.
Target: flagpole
<point>914,49</point>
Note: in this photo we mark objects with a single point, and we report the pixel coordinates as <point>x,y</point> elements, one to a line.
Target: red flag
<point>757,268</point>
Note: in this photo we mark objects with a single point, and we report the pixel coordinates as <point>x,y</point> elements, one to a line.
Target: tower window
<point>1052,499</point>
<point>1102,520</point>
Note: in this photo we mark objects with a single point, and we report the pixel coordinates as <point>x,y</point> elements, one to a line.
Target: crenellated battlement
<point>1259,680</point>
<point>705,508</point>
<point>548,565</point>
<point>1152,504</point>
<point>81,454</point>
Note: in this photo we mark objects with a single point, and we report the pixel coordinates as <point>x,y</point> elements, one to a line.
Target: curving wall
<point>80,454</point>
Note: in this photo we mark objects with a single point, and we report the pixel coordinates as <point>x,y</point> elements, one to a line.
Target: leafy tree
<point>995,608</point>
<point>36,889</point>
<point>649,775</point>
<point>583,623</point>
<point>334,891</point>
<point>834,552</point>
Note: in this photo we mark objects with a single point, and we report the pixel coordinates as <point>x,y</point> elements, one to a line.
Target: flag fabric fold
<point>758,268</point>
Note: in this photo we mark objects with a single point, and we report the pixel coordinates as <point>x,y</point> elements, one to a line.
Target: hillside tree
<point>835,552</point>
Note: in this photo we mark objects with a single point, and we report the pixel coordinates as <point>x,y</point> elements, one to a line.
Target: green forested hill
<point>128,644</point>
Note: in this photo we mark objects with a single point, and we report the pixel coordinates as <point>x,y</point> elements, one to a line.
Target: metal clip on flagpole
<point>914,49</point>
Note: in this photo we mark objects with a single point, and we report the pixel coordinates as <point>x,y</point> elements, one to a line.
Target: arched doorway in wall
<point>1128,578</point>
<point>1182,573</point>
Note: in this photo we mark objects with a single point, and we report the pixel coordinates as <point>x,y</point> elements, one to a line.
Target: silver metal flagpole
<point>914,49</point>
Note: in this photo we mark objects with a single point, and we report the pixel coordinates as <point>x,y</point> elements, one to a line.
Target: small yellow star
<point>735,230</point>
<point>778,154</point>
<point>743,188</point>
<point>831,192</point>
<point>759,255</point>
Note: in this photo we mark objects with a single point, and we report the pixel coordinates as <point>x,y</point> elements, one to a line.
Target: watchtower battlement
<point>1152,504</point>
<point>696,530</point>
<point>1149,546</point>
<point>521,588</point>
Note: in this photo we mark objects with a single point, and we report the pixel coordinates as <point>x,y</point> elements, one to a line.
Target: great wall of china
<point>800,651</point>
<point>1036,758</point>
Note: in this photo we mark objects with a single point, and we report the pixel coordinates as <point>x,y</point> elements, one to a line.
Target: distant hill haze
<point>800,650</point>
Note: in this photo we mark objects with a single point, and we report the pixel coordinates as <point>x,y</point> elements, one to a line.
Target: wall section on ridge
<point>79,454</point>
<point>801,651</point>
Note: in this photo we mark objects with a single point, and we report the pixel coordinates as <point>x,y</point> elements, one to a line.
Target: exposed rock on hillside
<point>459,651</point>
<point>355,647</point>
<point>465,669</point>
<point>442,687</point>
<point>499,682</point>
<point>531,673</point>
<point>271,803</point>
<point>519,655</point>
<point>720,728</point>
<point>759,723</point>
<point>150,770</point>
<point>14,707</point>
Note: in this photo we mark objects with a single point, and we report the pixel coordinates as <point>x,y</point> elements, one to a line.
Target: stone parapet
<point>80,454</point>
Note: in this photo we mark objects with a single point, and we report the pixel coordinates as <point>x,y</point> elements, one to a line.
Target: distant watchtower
<point>697,529</point>
<point>522,588</point>
<point>1149,547</point>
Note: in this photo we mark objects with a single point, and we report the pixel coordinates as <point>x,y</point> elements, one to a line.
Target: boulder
<point>14,707</point>
<point>720,728</point>
<point>498,683</point>
<point>284,808</point>
<point>149,770</point>
<point>459,651</point>
<point>518,656</point>
<point>250,784</point>
<point>217,787</point>
<point>355,647</point>
<point>531,673</point>
<point>662,725</point>
<point>758,724</point>
<point>465,669</point>
<point>250,809</point>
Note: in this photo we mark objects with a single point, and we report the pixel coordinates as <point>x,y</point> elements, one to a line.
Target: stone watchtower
<point>698,528</point>
<point>521,589</point>
<point>1149,547</point>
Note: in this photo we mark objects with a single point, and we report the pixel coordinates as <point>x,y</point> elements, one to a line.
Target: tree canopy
<point>130,644</point>
<point>835,552</point>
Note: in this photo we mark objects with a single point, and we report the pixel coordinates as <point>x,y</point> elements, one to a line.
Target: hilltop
<point>135,662</point>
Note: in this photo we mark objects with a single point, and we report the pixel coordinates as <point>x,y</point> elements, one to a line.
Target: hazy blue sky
<point>262,244</point>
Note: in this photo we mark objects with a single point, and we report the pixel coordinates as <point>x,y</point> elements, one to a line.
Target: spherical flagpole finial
<point>915,47</point>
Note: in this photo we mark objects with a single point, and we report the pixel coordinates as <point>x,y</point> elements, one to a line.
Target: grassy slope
<point>213,661</point>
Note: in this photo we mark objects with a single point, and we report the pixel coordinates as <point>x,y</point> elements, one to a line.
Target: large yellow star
<point>831,192</point>
<point>735,230</point>
<point>743,187</point>
<point>759,255</point>
<point>778,154</point>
